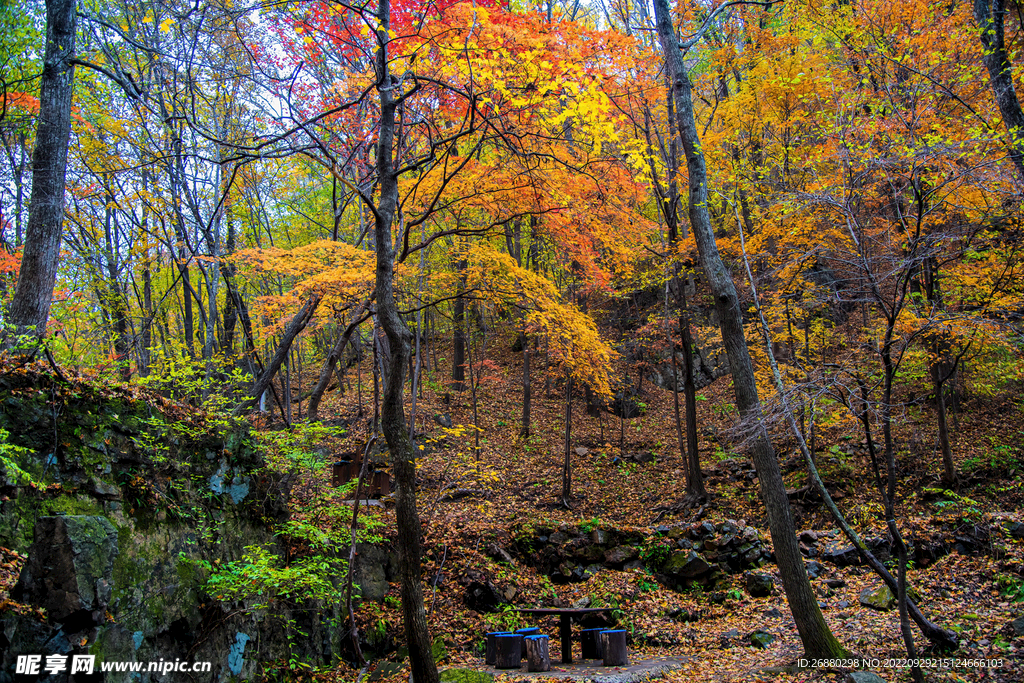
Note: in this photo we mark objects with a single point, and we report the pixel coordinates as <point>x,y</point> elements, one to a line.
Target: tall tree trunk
<point>30,306</point>
<point>524,428</point>
<point>227,270</point>
<point>890,501</point>
<point>146,334</point>
<point>940,637</point>
<point>459,336</point>
<point>990,14</point>
<point>113,295</point>
<point>297,324</point>
<point>567,462</point>
<point>421,659</point>
<point>817,639</point>
<point>188,318</point>
<point>695,489</point>
<point>694,476</point>
<point>940,370</point>
<point>332,360</point>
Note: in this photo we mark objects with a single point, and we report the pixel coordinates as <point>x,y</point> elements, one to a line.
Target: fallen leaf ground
<point>520,481</point>
<point>511,481</point>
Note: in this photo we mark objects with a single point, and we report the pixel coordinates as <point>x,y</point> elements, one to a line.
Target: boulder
<point>809,537</point>
<point>761,639</point>
<point>814,569</point>
<point>880,598</point>
<point>558,538</point>
<point>842,557</point>
<point>620,555</point>
<point>685,565</point>
<point>1017,626</point>
<point>589,553</point>
<point>759,584</point>
<point>709,362</point>
<point>627,405</point>
<point>481,595</point>
<point>70,568</point>
<point>371,571</point>
<point>153,500</point>
<point>863,677</point>
<point>1014,529</point>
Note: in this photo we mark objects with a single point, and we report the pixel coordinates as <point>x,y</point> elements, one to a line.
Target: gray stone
<point>809,537</point>
<point>1015,529</point>
<point>814,569</point>
<point>1018,626</point>
<point>600,537</point>
<point>709,361</point>
<point>842,557</point>
<point>70,566</point>
<point>880,598</point>
<point>443,420</point>
<point>589,553</point>
<point>773,613</point>
<point>558,538</point>
<point>626,404</point>
<point>863,677</point>
<point>834,583</point>
<point>761,639</point>
<point>105,490</point>
<point>752,556</point>
<point>759,584</point>
<point>621,554</point>
<point>131,580</point>
<point>686,565</point>
<point>370,571</point>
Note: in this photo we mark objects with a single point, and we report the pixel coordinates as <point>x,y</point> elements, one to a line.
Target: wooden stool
<point>537,657</point>
<point>342,472</point>
<point>490,651</point>
<point>380,484</point>
<point>614,645</point>
<point>590,643</point>
<point>508,650</point>
<point>527,632</point>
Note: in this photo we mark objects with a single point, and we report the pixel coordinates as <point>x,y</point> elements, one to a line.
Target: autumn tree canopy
<point>259,194</point>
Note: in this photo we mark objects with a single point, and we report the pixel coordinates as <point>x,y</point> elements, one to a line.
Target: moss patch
<point>465,676</point>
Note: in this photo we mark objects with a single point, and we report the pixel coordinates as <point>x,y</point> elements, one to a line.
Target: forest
<point>336,333</point>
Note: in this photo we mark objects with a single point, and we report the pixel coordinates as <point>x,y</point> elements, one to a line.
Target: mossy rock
<point>880,599</point>
<point>761,639</point>
<point>438,649</point>
<point>465,676</point>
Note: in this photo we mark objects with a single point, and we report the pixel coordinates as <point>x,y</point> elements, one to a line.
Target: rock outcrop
<point>139,500</point>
